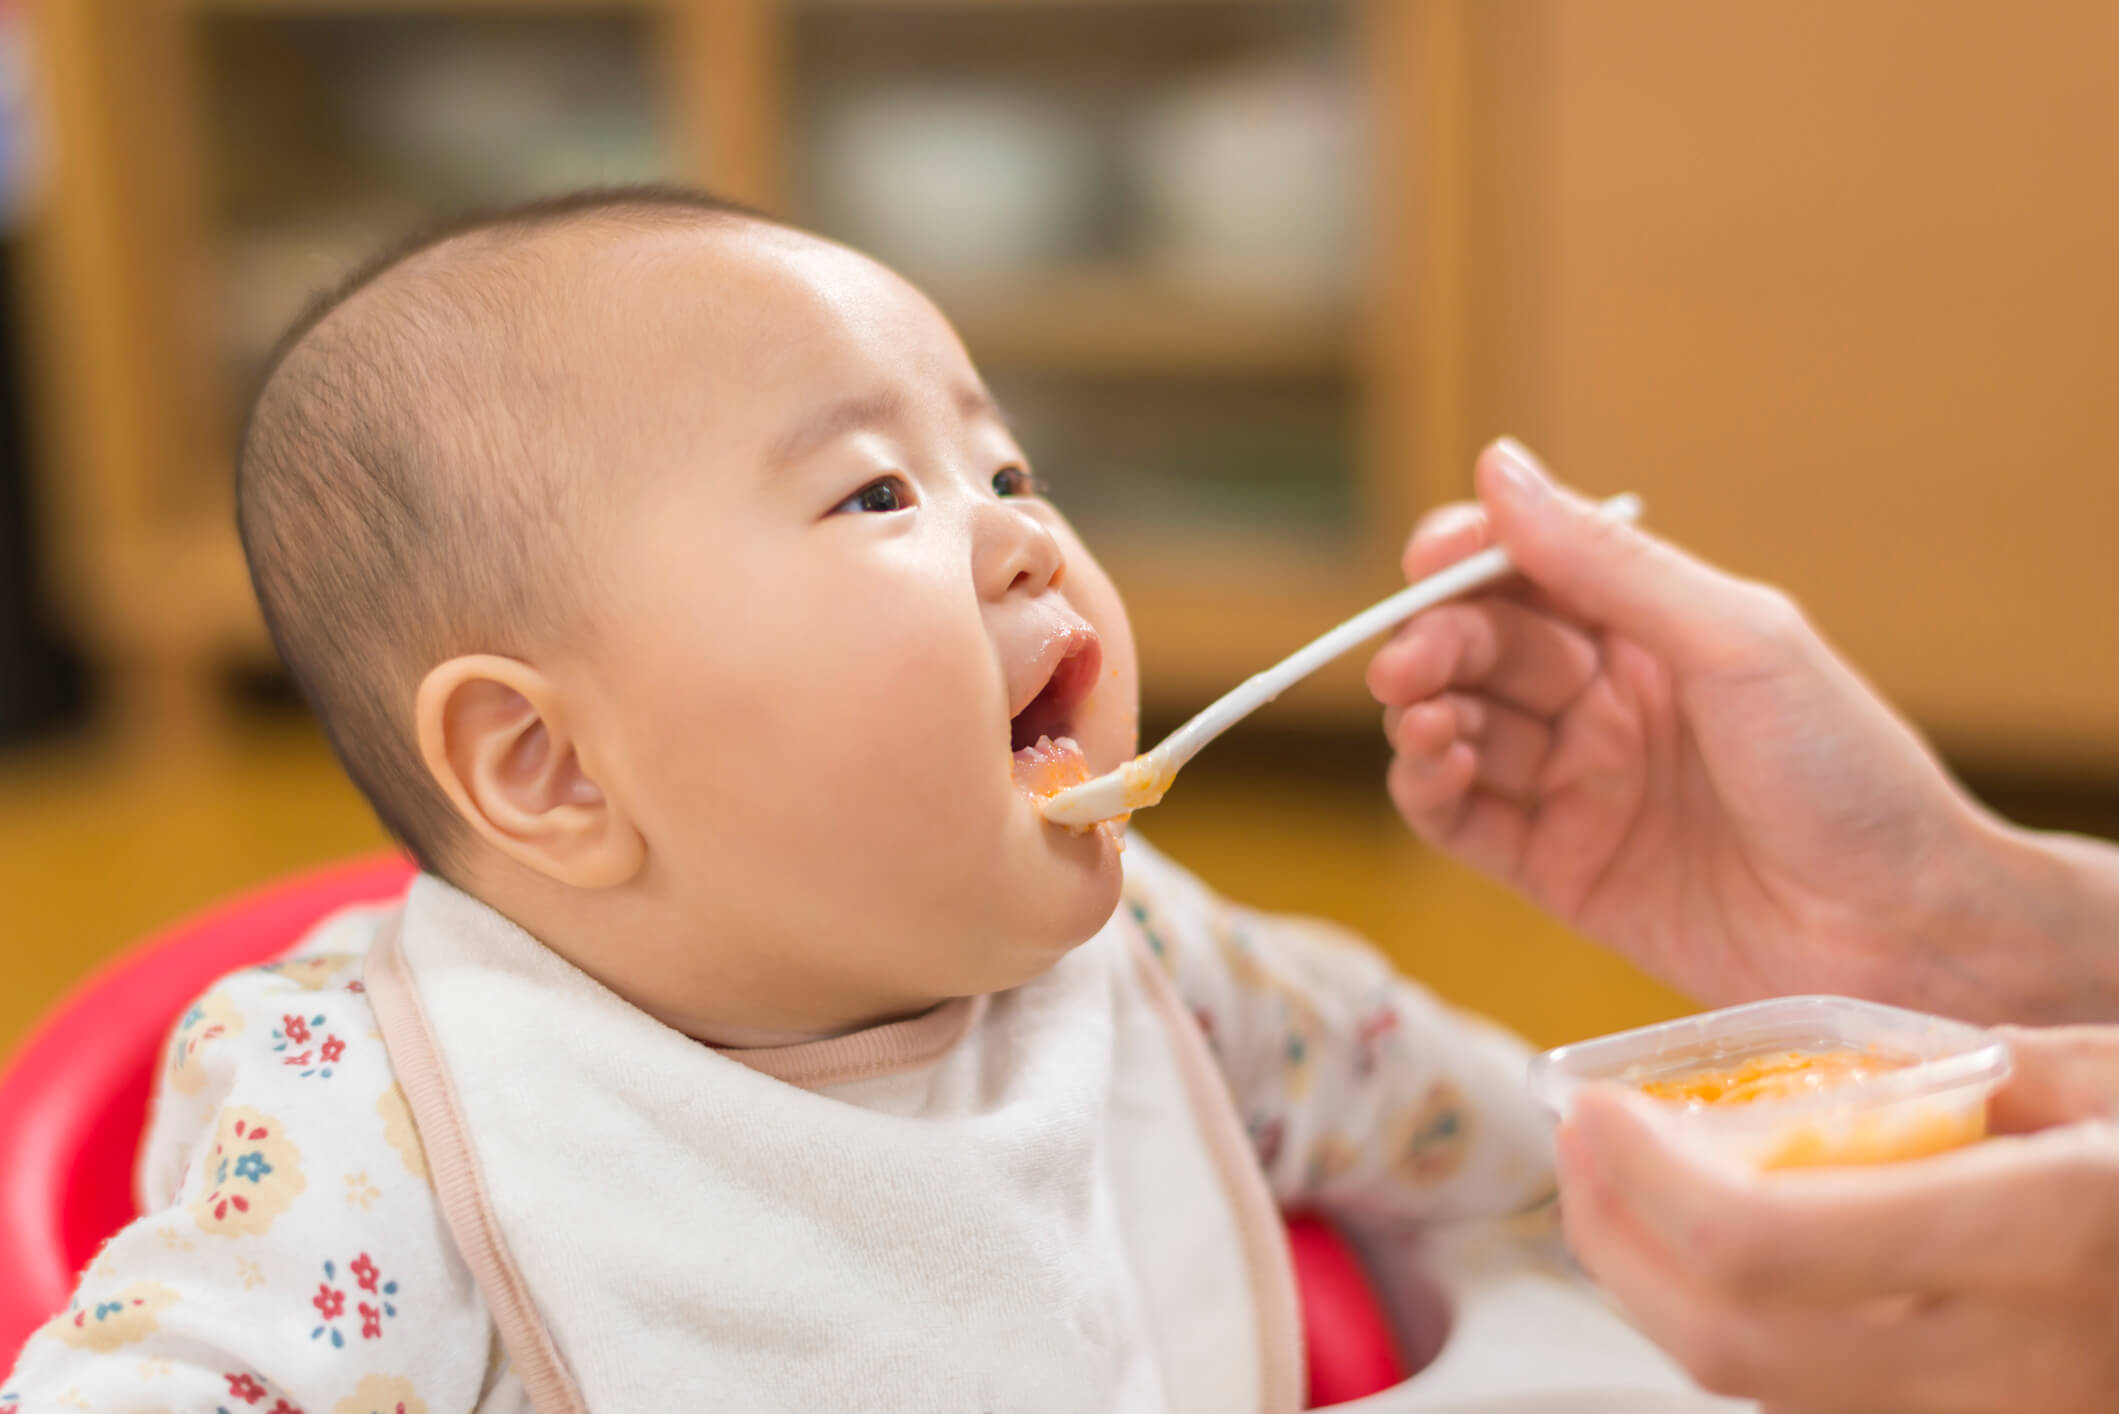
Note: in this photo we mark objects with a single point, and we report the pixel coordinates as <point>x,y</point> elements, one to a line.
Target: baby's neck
<point>631,946</point>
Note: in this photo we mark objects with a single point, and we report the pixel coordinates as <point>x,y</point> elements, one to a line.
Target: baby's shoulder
<point>293,1042</point>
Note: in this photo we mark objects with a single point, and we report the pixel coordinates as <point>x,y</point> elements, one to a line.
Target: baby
<point>671,585</point>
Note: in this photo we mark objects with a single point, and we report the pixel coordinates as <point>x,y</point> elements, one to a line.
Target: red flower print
<point>356,985</point>
<point>298,1058</point>
<point>1369,1038</point>
<point>245,1388</point>
<point>363,1269</point>
<point>283,1407</point>
<point>329,1301</point>
<point>297,1030</point>
<point>331,1050</point>
<point>371,1322</point>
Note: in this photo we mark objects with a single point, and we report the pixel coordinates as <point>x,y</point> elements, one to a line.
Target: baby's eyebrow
<point>974,402</point>
<point>834,422</point>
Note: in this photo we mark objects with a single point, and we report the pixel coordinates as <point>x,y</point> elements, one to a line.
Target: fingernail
<point>1525,475</point>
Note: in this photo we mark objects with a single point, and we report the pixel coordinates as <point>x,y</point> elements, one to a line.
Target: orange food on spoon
<point>1046,769</point>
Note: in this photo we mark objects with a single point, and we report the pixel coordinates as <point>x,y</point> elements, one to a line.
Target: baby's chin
<point>1064,888</point>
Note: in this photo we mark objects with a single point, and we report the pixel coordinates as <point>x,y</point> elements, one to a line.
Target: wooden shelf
<point>136,252</point>
<point>1124,322</point>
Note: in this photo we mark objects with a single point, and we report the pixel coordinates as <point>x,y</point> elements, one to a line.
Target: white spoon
<point>1142,781</point>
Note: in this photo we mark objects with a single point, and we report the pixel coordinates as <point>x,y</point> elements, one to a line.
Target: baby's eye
<point>889,494</point>
<point>1016,481</point>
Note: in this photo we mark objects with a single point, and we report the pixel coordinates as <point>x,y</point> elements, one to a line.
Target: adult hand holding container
<point>1979,1278</point>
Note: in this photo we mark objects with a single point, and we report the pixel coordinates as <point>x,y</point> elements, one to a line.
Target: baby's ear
<point>494,735</point>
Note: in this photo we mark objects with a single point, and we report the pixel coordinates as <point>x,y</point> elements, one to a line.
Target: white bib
<point>1038,1203</point>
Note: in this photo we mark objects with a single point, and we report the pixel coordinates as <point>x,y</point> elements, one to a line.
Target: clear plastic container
<point>1837,1081</point>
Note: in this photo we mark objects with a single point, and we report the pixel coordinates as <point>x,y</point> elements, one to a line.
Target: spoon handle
<point>1473,572</point>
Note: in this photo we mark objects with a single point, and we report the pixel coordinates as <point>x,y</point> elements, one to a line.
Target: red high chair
<point>73,1104</point>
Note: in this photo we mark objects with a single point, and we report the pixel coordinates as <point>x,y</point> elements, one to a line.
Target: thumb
<point>1615,576</point>
<point>2059,1074</point>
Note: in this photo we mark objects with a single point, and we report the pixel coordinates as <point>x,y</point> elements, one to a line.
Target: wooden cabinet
<point>1830,283</point>
<point>1233,415</point>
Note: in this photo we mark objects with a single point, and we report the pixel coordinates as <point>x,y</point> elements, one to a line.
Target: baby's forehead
<point>752,324</point>
<point>610,346</point>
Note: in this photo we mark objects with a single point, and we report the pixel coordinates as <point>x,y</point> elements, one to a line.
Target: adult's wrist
<point>2029,928</point>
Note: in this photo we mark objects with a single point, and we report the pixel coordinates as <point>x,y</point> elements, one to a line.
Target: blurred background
<point>1830,282</point>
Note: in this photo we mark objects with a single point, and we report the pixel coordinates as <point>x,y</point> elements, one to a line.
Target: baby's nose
<point>1016,553</point>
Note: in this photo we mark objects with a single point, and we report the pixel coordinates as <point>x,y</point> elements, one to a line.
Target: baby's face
<point>833,607</point>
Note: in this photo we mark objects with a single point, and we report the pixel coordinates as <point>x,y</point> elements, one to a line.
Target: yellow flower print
<point>251,1174</point>
<point>210,1019</point>
<point>105,1325</point>
<point>360,1192</point>
<point>1330,1157</point>
<point>1433,1139</point>
<point>401,1132</point>
<point>382,1394</point>
<point>313,974</point>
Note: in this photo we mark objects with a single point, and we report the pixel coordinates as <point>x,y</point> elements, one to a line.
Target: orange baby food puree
<point>1772,1077</point>
<point>1905,1131</point>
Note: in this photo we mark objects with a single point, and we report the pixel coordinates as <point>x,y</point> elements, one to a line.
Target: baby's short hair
<point>397,495</point>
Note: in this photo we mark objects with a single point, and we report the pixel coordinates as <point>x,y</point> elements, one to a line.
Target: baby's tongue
<point>1050,766</point>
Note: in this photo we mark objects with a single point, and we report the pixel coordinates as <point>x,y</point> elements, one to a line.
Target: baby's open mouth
<point>1076,658</point>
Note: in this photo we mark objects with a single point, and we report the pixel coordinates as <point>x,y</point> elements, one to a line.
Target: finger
<point>1994,1215</point>
<point>1510,748</point>
<point>1438,798</point>
<point>2059,1074</point>
<point>1500,646</point>
<point>1620,577</point>
<point>1429,787</point>
<point>1924,1354</point>
<point>1712,1341</point>
<point>1513,749</point>
<point>1444,536</point>
<point>1823,1359</point>
<point>1934,1355</point>
<point>1430,728</point>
